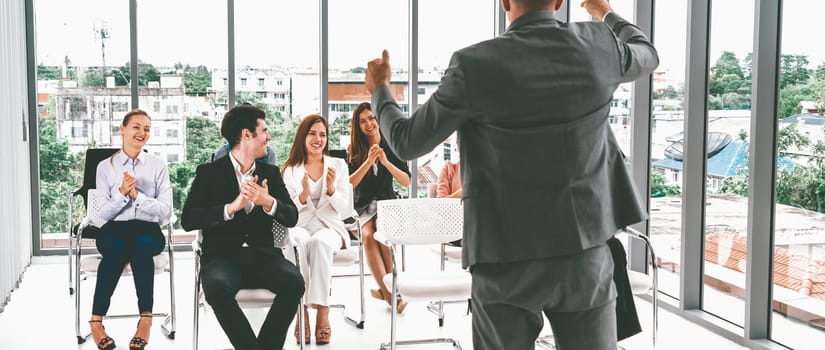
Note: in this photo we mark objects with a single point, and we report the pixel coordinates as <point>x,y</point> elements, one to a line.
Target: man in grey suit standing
<point>545,183</point>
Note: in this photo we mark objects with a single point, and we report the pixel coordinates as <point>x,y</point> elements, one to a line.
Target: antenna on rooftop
<point>101,30</point>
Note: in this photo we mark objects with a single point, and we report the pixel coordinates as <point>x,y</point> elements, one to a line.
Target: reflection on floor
<point>40,315</point>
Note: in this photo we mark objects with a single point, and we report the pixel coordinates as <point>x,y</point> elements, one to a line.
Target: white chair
<point>640,284</point>
<point>416,222</point>
<point>87,266</point>
<point>247,298</point>
<point>348,257</point>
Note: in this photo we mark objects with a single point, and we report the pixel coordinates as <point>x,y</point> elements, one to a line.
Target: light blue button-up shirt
<point>154,199</point>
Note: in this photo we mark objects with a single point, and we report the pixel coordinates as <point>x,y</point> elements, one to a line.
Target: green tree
<point>181,175</point>
<point>93,78</point>
<point>340,127</point>
<point>60,173</point>
<point>659,186</point>
<point>203,137</point>
<point>196,80</point>
<point>146,73</point>
<point>790,96</point>
<point>727,64</point>
<point>727,76</point>
<point>788,137</point>
<point>819,73</point>
<point>794,70</point>
<point>48,72</point>
<point>668,93</point>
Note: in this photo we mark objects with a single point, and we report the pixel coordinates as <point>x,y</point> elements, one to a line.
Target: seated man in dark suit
<point>236,201</point>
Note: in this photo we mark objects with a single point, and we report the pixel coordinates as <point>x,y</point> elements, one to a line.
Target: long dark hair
<point>359,145</point>
<point>298,154</point>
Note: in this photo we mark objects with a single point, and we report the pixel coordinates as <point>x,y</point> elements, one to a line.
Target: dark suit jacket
<point>627,320</point>
<point>542,173</point>
<point>214,186</point>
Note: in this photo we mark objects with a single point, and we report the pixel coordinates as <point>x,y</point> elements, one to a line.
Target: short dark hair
<point>134,112</point>
<point>536,4</point>
<point>238,118</point>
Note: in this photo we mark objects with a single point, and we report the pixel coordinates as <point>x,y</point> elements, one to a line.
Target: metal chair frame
<point>354,224</point>
<point>548,342</point>
<point>260,303</point>
<point>429,232</point>
<point>169,323</point>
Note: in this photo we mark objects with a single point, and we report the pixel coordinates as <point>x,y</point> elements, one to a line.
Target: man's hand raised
<point>378,72</point>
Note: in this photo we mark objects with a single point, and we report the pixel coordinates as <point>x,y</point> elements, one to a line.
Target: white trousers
<point>316,250</point>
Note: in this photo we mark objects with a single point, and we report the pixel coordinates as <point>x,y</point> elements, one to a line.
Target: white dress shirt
<point>154,199</point>
<point>241,177</point>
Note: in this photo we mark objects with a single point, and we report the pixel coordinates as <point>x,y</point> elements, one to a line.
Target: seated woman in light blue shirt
<point>136,195</point>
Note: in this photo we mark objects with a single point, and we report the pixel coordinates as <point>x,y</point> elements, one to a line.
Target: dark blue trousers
<point>134,242</point>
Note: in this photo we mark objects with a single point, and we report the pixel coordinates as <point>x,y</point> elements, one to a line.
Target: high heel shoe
<point>106,343</point>
<point>323,333</point>
<point>400,304</point>
<point>307,331</point>
<point>138,343</point>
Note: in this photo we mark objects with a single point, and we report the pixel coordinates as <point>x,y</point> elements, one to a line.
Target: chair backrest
<point>93,208</point>
<point>95,201</point>
<point>421,220</point>
<point>338,153</point>
<point>93,157</point>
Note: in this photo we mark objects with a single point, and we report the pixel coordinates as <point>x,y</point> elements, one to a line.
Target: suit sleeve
<point>446,110</point>
<point>286,213</point>
<point>637,54</point>
<point>198,212</point>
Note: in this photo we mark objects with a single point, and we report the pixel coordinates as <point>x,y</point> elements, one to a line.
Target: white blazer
<point>331,210</point>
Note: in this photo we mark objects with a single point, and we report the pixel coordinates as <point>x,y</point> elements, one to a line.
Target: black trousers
<point>134,242</point>
<point>222,277</point>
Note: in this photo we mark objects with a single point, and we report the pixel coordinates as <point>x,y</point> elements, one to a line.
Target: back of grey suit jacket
<point>542,173</point>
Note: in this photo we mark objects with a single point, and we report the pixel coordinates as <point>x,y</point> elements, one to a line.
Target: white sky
<point>285,32</point>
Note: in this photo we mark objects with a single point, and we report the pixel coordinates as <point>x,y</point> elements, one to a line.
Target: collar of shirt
<point>122,159</point>
<point>241,177</point>
<point>531,17</point>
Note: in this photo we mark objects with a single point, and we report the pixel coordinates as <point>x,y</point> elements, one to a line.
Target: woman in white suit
<point>319,187</point>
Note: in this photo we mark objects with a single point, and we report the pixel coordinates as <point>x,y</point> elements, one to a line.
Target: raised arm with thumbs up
<point>378,72</point>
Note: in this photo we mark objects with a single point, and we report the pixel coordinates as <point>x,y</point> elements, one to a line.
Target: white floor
<point>40,315</point>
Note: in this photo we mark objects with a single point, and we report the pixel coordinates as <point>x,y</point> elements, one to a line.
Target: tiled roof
<point>730,161</point>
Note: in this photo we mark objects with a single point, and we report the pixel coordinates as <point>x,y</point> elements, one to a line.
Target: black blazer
<point>214,186</point>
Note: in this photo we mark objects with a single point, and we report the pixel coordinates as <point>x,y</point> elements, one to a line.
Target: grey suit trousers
<point>575,292</point>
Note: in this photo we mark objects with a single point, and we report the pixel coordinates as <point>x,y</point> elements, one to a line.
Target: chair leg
<point>170,332</point>
<point>197,307</point>
<point>69,242</point>
<point>301,325</point>
<point>80,338</point>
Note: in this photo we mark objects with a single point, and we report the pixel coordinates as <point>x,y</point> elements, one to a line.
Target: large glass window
<point>799,251</point>
<point>176,74</point>
<point>667,127</point>
<point>435,19</point>
<point>277,55</point>
<point>726,181</point>
<point>79,47</point>
<point>357,36</point>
